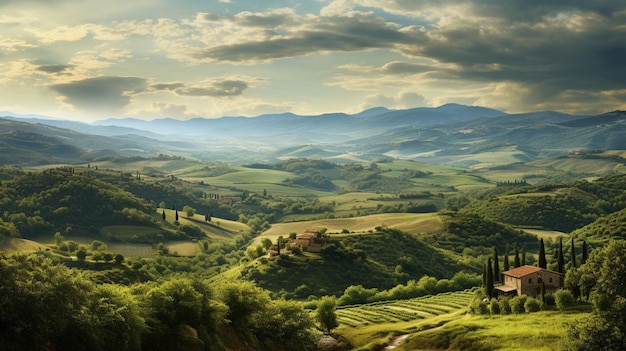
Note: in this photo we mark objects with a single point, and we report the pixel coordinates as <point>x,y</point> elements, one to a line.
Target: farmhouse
<point>310,240</point>
<point>529,280</point>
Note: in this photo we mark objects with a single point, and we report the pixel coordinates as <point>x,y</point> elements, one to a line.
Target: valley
<point>404,230</point>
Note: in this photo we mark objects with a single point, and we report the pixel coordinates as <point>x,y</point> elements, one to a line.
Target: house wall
<point>531,284</point>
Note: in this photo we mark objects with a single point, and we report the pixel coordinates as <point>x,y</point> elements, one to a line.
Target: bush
<point>532,305</point>
<point>494,306</point>
<point>517,304</point>
<point>564,298</point>
<point>548,300</point>
<point>505,306</point>
<point>479,306</point>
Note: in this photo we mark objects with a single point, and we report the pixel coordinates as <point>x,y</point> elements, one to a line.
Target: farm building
<point>308,241</point>
<point>528,280</point>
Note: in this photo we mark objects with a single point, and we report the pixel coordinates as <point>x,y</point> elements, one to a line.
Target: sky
<point>90,59</point>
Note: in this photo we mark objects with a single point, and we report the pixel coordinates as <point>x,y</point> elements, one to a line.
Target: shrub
<point>494,306</point>
<point>532,305</point>
<point>563,299</point>
<point>548,300</point>
<point>504,305</point>
<point>479,306</point>
<point>517,304</point>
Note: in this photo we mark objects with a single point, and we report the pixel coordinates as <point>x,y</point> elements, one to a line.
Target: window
<point>550,279</point>
<point>530,280</point>
<point>539,280</point>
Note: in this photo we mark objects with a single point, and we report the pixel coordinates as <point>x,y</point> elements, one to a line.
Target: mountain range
<point>452,134</point>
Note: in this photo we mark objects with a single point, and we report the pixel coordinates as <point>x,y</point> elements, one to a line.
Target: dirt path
<point>396,341</point>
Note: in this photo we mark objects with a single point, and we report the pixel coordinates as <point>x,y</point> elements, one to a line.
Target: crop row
<point>403,310</point>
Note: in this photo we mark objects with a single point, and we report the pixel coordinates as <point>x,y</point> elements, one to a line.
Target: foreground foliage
<point>46,305</point>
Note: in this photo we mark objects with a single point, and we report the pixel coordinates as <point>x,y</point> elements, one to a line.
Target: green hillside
<point>382,260</point>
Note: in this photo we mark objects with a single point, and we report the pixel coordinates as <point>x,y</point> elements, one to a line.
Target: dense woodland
<point>82,296</point>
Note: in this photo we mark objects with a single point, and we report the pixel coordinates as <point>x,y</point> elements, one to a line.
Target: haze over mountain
<point>448,134</point>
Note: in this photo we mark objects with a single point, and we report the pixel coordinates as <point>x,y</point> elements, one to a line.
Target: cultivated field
<point>408,222</point>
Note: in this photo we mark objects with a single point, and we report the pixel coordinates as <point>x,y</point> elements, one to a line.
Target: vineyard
<point>403,310</point>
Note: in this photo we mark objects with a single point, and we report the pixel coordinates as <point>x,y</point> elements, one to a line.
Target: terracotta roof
<point>522,271</point>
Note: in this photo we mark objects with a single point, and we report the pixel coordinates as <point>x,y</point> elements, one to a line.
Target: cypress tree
<point>583,259</point>
<point>542,255</point>
<point>572,254</point>
<point>496,266</point>
<point>561,262</point>
<point>489,284</point>
<point>176,217</point>
<point>484,275</point>
<point>517,263</point>
<point>523,263</point>
<point>506,261</point>
<point>163,215</point>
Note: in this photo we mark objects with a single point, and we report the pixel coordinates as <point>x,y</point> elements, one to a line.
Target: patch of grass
<point>531,331</point>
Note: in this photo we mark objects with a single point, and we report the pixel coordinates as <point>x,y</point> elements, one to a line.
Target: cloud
<point>219,88</point>
<point>356,32</point>
<point>213,88</point>
<point>54,68</point>
<point>405,99</point>
<point>106,94</point>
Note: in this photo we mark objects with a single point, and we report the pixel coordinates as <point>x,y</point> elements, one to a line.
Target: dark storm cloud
<point>221,88</point>
<point>107,94</point>
<point>328,34</point>
<point>54,68</point>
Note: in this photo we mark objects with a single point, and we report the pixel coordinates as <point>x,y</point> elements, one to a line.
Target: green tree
<point>189,211</point>
<point>325,313</point>
<point>496,266</point>
<point>560,259</point>
<point>81,254</point>
<point>517,260</point>
<point>543,263</point>
<point>604,274</point>
<point>585,253</point>
<point>506,261</point>
<point>572,254</point>
<point>489,282</point>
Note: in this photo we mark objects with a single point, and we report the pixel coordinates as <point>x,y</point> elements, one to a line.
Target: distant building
<point>310,240</point>
<point>528,280</point>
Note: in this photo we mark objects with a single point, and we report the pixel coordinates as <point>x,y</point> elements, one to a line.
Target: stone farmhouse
<point>529,280</point>
<point>310,241</point>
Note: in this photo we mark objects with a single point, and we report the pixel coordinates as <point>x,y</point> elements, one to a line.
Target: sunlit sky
<point>90,60</point>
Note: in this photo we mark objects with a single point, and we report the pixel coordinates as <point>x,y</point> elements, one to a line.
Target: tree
<point>163,215</point>
<point>176,216</point>
<point>603,273</point>
<point>496,266</point>
<point>506,261</point>
<point>561,262</point>
<point>517,261</point>
<point>81,255</point>
<point>523,261</point>
<point>585,254</point>
<point>119,258</point>
<point>572,254</point>
<point>563,299</point>
<point>190,211</point>
<point>489,283</point>
<point>325,313</point>
<point>542,263</point>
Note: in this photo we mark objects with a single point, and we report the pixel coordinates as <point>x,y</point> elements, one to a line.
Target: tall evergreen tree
<point>561,261</point>
<point>506,261</point>
<point>176,216</point>
<point>163,215</point>
<point>585,254</point>
<point>572,254</point>
<point>542,255</point>
<point>489,284</point>
<point>523,262</point>
<point>517,262</point>
<point>485,275</point>
<point>496,266</point>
